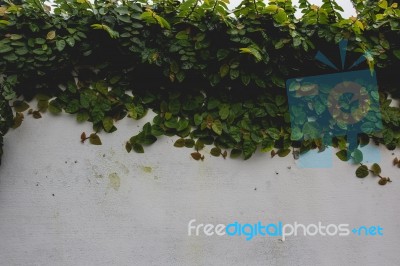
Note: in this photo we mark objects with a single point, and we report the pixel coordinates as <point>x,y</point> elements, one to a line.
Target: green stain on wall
<point>115,181</point>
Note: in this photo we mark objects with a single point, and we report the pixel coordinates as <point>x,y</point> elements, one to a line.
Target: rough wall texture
<point>64,203</point>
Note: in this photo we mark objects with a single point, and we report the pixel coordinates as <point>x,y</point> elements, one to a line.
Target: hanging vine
<point>211,75</point>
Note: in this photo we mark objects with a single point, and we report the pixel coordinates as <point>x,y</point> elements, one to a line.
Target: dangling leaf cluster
<point>213,76</point>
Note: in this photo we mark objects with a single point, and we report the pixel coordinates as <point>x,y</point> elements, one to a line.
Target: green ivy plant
<point>212,76</point>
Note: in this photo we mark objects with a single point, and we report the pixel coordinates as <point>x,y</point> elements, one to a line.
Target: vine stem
<point>379,175</point>
<point>192,9</point>
<point>215,5</point>
<point>255,7</point>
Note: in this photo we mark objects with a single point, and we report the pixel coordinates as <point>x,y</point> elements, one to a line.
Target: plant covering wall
<point>211,75</point>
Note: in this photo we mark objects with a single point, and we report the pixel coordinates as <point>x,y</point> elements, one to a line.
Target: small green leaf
<point>179,143</point>
<point>189,143</point>
<point>217,127</point>
<point>82,116</point>
<point>182,35</point>
<point>281,16</point>
<point>5,49</point>
<point>108,123</point>
<point>19,117</point>
<point>342,155</point>
<point>376,169</point>
<point>253,51</point>
<point>383,4</point>
<point>54,107</point>
<point>357,156</point>
<point>60,44</point>
<point>94,139</point>
<point>10,57</point>
<point>383,181</point>
<point>362,171</point>
<point>245,79</point>
<point>224,70</point>
<point>215,152</point>
<point>283,152</point>
<point>248,149</point>
<point>296,134</point>
<point>199,145</point>
<point>235,153</point>
<point>138,148</point>
<point>224,111</point>
<point>271,8</point>
<point>128,146</point>
<point>72,107</point>
<point>43,105</point>
<point>197,119</point>
<point>274,133</point>
<point>70,41</point>
<point>20,106</point>
<point>148,140</point>
<point>397,53</point>
<point>182,125</point>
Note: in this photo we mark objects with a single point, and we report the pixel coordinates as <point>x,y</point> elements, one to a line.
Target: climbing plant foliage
<point>212,75</point>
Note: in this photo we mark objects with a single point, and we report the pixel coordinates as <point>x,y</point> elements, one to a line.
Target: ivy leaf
<point>20,106</point>
<point>283,152</point>
<point>128,147</point>
<point>54,107</point>
<point>383,181</point>
<point>248,149</point>
<point>215,152</point>
<point>60,44</point>
<point>196,155</point>
<point>83,137</point>
<point>43,105</point>
<point>271,8</point>
<point>274,133</point>
<point>217,127</point>
<point>82,116</point>
<point>342,155</point>
<point>189,143</point>
<point>72,107</point>
<point>94,139</point>
<point>224,111</point>
<point>397,53</point>
<point>138,148</point>
<point>296,134</point>
<point>150,139</point>
<point>70,41</point>
<point>281,16</point>
<point>19,117</point>
<point>199,145</point>
<point>357,156</point>
<point>245,79</point>
<point>113,34</point>
<point>253,51</point>
<point>376,169</point>
<point>179,143</point>
<point>36,115</point>
<point>108,123</point>
<point>362,171</point>
<point>235,153</point>
<point>224,70</point>
<point>198,119</point>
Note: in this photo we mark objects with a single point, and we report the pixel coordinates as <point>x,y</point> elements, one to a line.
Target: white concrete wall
<point>64,203</point>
